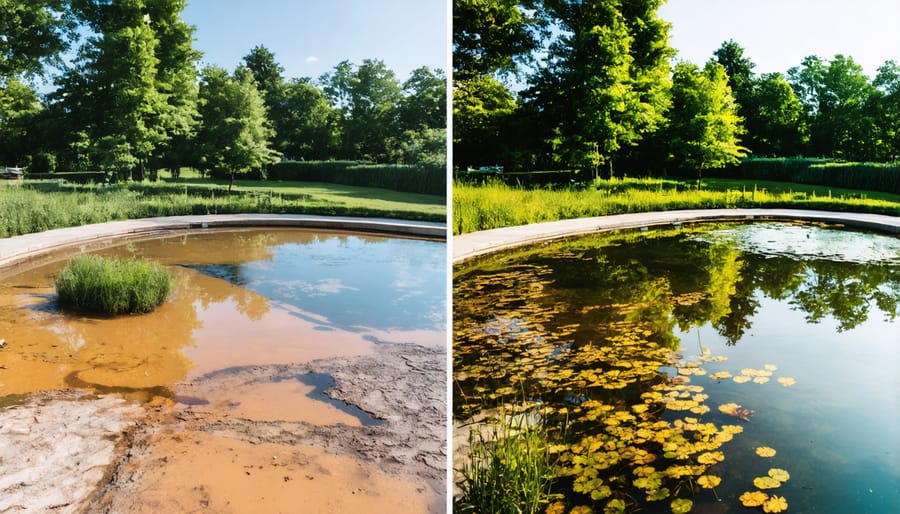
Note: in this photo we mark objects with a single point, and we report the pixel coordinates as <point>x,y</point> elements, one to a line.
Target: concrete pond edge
<point>21,249</point>
<point>477,244</point>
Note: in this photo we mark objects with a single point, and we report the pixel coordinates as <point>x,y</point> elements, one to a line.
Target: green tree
<point>19,106</point>
<point>481,107</point>
<point>234,134</point>
<point>835,95</point>
<point>704,125</point>
<point>494,36</point>
<point>424,102</point>
<point>604,86</point>
<point>774,117</point>
<point>739,69</point>
<point>306,125</point>
<point>886,106</point>
<point>368,96</point>
<point>267,73</point>
<point>32,33</point>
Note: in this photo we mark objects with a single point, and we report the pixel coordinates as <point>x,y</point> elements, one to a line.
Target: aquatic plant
<point>508,467</point>
<point>110,286</point>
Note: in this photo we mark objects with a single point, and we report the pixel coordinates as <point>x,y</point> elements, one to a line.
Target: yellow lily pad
<point>779,474</point>
<point>771,367</point>
<point>775,504</point>
<point>720,375</point>
<point>740,379</point>
<point>728,408</point>
<point>709,481</point>
<point>787,381</point>
<point>681,506</point>
<point>753,499</point>
<point>710,458</point>
<point>765,451</point>
<point>766,482</point>
<point>760,380</point>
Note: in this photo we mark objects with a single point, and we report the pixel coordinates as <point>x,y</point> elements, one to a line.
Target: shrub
<point>43,162</point>
<point>422,179</point>
<point>104,285</point>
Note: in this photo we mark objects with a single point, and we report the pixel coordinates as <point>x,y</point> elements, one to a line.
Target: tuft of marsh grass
<point>508,468</point>
<point>110,286</point>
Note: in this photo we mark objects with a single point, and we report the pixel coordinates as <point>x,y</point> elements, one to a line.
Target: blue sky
<point>309,37</point>
<point>778,34</point>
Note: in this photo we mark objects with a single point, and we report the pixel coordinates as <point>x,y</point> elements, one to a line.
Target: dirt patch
<point>208,452</point>
<point>57,449</point>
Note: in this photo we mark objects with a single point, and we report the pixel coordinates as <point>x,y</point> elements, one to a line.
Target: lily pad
<point>753,499</point>
<point>775,504</point>
<point>787,381</point>
<point>709,481</point>
<point>766,482</point>
<point>765,451</point>
<point>740,379</point>
<point>681,506</point>
<point>779,474</point>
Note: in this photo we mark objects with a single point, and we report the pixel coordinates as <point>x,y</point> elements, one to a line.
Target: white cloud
<point>312,58</point>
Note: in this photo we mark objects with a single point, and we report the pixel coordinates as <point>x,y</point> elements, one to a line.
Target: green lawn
<point>43,205</point>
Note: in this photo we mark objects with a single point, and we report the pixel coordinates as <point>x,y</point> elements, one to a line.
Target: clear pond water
<point>662,363</point>
<point>240,298</point>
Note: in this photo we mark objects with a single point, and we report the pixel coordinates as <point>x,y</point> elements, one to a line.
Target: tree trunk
<point>230,180</point>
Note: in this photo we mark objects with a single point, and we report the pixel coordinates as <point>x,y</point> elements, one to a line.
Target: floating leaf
<point>765,451</point>
<point>616,506</point>
<point>760,380</point>
<point>787,381</point>
<point>720,375</point>
<point>779,474</point>
<point>709,481</point>
<point>658,494</point>
<point>555,508</point>
<point>771,367</point>
<point>711,458</point>
<point>740,379</point>
<point>728,408</point>
<point>775,504</point>
<point>753,499</point>
<point>681,506</point>
<point>766,482</point>
<point>581,509</point>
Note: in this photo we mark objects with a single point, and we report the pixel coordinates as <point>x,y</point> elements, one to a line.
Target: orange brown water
<point>209,324</point>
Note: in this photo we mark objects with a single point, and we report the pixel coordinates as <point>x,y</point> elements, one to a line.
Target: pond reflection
<point>239,298</point>
<point>655,359</point>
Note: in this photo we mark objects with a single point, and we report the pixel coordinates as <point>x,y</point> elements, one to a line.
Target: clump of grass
<point>110,286</point>
<point>508,469</point>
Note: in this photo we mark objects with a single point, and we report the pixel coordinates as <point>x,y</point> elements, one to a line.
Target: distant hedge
<point>431,180</point>
<point>78,177</point>
<point>823,172</point>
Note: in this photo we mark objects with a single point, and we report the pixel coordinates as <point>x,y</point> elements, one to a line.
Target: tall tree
<point>267,73</point>
<point>739,69</point>
<point>774,117</point>
<point>604,86</point>
<point>835,94</point>
<point>19,106</point>
<point>424,102</point>
<point>32,32</point>
<point>886,105</point>
<point>494,36</point>
<point>704,125</point>
<point>234,136</point>
<point>306,125</point>
<point>368,96</point>
<point>481,107</point>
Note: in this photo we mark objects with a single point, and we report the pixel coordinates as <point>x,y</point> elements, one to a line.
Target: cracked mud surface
<point>205,454</point>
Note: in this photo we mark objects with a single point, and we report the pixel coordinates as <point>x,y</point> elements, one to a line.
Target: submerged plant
<point>105,285</point>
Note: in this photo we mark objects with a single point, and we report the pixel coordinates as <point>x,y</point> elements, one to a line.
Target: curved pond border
<point>18,249</point>
<point>476,244</point>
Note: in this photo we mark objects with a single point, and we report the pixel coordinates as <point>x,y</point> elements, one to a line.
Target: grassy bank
<point>495,205</point>
<point>37,206</point>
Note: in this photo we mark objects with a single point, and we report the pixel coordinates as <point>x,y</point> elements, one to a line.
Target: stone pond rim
<point>19,249</point>
<point>476,244</point>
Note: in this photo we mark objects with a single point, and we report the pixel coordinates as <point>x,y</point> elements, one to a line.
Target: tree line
<point>128,97</point>
<point>594,89</point>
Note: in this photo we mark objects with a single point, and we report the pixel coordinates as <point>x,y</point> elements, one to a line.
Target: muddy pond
<point>709,368</point>
<point>287,365</point>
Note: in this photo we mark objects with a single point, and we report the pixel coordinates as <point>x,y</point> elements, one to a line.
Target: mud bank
<point>207,451</point>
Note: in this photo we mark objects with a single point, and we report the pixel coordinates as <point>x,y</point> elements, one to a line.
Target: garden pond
<point>707,368</point>
<point>300,355</point>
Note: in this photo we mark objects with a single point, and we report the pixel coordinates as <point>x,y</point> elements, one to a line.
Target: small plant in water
<point>508,469</point>
<point>105,285</point>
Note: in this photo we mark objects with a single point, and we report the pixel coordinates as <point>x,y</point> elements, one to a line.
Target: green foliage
<point>19,107</point>
<point>508,467</point>
<point>704,125</point>
<point>864,176</point>
<point>495,205</point>
<point>75,177</point>
<point>307,127</point>
<point>33,33</point>
<point>493,35</point>
<point>423,179</point>
<point>109,286</point>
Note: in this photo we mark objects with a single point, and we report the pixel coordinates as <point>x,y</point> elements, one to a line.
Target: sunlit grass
<point>495,205</point>
<point>109,286</point>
